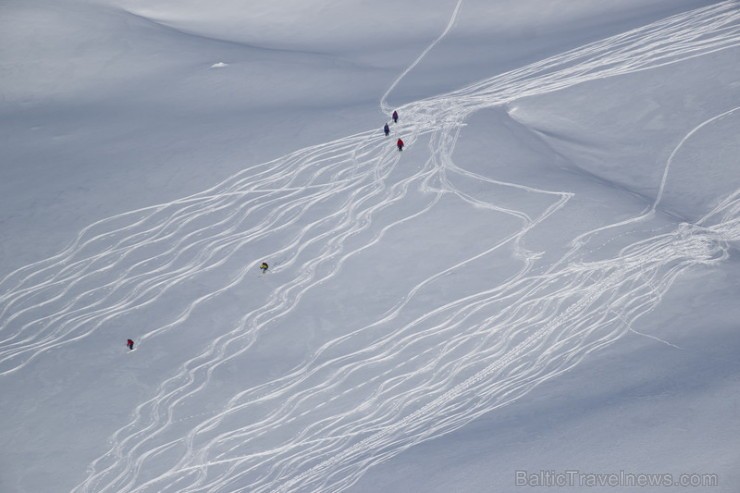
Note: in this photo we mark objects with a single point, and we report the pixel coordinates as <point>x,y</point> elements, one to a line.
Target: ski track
<point>419,378</point>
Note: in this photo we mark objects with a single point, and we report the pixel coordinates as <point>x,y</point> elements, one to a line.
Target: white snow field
<point>539,293</point>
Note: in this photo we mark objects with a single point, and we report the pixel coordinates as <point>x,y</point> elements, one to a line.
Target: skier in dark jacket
<point>386,129</point>
<point>395,116</point>
<point>400,144</point>
<point>130,344</point>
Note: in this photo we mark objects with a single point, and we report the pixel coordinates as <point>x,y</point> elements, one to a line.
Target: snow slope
<point>542,280</point>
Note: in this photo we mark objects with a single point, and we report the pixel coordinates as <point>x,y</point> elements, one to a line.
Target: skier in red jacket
<point>400,144</point>
<point>130,344</point>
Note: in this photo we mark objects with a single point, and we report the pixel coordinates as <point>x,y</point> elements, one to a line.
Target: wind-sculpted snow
<point>347,407</point>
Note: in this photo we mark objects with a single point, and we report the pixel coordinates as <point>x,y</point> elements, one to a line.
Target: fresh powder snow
<point>538,294</point>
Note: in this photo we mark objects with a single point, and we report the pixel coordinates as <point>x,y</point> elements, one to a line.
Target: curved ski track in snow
<point>420,377</point>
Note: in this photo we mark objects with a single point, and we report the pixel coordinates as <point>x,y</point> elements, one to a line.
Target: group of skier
<point>264,266</point>
<point>130,342</point>
<point>387,130</point>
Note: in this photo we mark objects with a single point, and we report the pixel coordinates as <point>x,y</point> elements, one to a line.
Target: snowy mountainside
<point>529,256</point>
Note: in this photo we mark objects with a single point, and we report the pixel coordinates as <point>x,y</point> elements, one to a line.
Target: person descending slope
<point>130,344</point>
<point>264,267</point>
<point>395,116</point>
<point>400,144</point>
<point>386,130</point>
